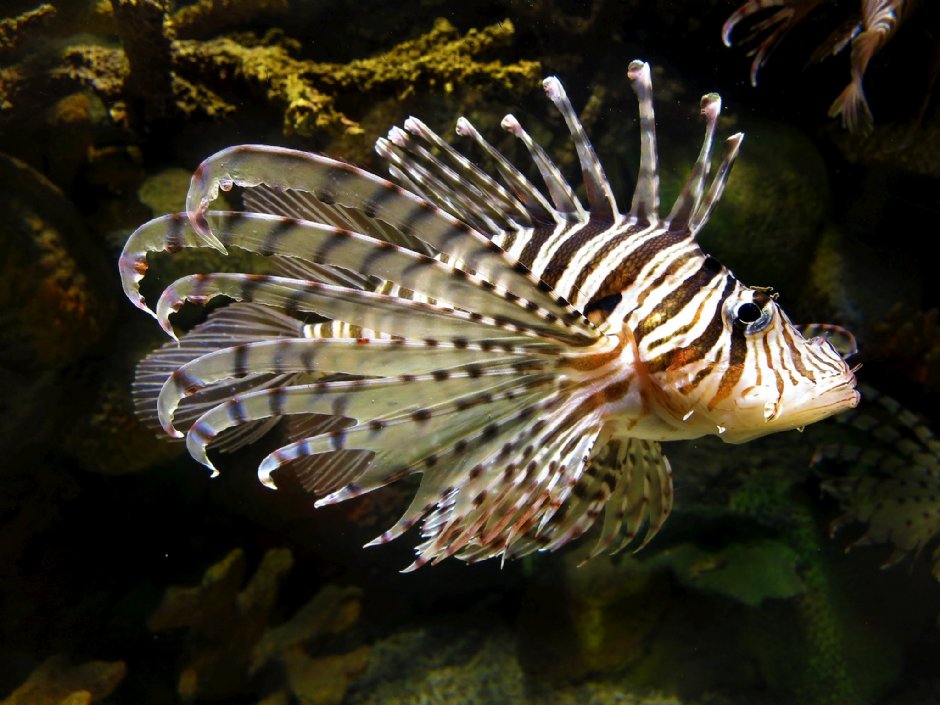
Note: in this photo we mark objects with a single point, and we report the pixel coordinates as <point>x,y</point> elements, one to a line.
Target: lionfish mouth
<point>801,406</point>
<point>838,397</point>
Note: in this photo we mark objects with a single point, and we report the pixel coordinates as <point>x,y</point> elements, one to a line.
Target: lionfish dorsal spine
<point>703,211</point>
<point>599,194</point>
<point>645,206</point>
<point>560,191</point>
<point>690,198</point>
<point>508,211</point>
<point>437,183</point>
<point>523,189</point>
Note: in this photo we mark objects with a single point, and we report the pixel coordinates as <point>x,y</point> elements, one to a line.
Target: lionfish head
<point>752,371</point>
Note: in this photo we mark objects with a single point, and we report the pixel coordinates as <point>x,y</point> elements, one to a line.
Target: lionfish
<point>866,33</point>
<point>894,486</point>
<point>521,350</point>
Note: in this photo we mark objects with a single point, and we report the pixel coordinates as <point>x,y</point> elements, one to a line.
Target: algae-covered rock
<point>147,36</point>
<point>451,662</point>
<point>157,75</point>
<point>849,281</point>
<point>231,641</point>
<point>827,659</point>
<point>14,30</point>
<point>208,16</point>
<point>306,91</point>
<point>109,438</point>
<point>912,147</point>
<point>474,659</point>
<point>165,191</point>
<point>54,299</point>
<point>592,618</point>
<point>57,682</point>
<point>749,573</point>
<point>72,124</point>
<point>56,304</point>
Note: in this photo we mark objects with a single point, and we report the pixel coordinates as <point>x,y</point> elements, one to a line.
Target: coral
<point>13,30</point>
<point>894,483</point>
<point>323,680</point>
<point>230,640</point>
<point>155,65</point>
<point>305,90</point>
<point>56,682</point>
<point>208,16</point>
<point>147,38</point>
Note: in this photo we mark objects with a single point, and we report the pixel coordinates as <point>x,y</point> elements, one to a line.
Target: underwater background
<point>127,576</point>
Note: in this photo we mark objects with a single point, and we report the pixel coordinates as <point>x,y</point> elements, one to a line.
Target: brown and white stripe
<point>519,349</point>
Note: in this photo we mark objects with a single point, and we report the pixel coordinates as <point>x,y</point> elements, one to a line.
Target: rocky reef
<point>56,682</point>
<point>231,642</point>
<point>162,73</point>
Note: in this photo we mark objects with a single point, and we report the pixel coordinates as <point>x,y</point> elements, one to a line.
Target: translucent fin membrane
<point>519,184</point>
<point>339,183</point>
<point>288,237</point>
<point>559,189</point>
<point>691,195</point>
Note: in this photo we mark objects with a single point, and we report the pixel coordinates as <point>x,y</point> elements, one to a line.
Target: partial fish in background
<point>894,488</point>
<point>522,351</point>
<point>866,32</point>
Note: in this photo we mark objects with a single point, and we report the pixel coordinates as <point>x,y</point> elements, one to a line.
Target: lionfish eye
<point>747,313</point>
<point>751,317</point>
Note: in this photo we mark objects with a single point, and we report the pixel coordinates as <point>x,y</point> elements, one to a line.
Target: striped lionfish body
<point>522,351</point>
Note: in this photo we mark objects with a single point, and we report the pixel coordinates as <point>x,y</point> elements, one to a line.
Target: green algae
<point>747,572</point>
<point>829,661</point>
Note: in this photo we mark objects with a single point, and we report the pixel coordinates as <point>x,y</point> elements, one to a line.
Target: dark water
<point>742,598</point>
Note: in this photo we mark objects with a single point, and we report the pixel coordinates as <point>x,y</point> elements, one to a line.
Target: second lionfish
<point>520,350</point>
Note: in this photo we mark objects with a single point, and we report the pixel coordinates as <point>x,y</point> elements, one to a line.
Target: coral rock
<point>230,640</point>
<point>56,682</point>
